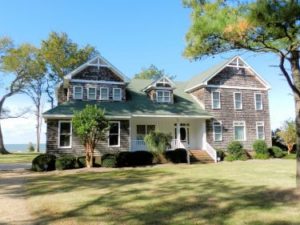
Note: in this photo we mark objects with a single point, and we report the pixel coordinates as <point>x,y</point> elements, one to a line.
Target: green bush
<point>276,152</point>
<point>138,158</point>
<point>30,147</point>
<point>109,160</point>
<point>65,162</point>
<point>236,151</point>
<point>290,156</point>
<point>220,154</point>
<point>44,162</point>
<point>80,162</point>
<point>177,156</point>
<point>261,156</point>
<point>260,147</point>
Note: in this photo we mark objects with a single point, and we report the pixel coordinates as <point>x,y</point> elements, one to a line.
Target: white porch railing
<point>211,152</point>
<point>175,143</point>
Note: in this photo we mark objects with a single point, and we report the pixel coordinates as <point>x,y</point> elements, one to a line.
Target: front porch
<point>187,133</point>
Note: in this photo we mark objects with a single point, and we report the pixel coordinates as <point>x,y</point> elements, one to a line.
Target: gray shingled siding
<point>227,114</point>
<point>77,148</point>
<point>94,73</point>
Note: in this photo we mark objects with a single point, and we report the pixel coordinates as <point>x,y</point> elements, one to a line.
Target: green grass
<point>290,156</point>
<point>17,157</point>
<point>250,192</point>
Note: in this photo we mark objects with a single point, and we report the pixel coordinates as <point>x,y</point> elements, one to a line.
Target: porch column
<point>177,133</point>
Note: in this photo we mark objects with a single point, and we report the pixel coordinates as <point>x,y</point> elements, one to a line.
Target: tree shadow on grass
<point>159,197</point>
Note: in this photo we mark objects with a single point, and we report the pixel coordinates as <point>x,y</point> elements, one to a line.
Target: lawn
<point>251,192</point>
<point>17,157</point>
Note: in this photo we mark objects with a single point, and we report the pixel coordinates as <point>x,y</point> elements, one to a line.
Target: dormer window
<point>117,94</point>
<point>91,93</point>
<point>77,92</point>
<point>104,93</point>
<point>163,96</point>
<point>163,83</point>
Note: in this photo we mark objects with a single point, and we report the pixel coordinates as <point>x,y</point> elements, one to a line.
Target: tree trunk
<point>38,128</point>
<point>2,147</point>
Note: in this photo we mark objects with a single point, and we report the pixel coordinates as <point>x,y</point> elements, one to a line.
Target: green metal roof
<point>138,104</point>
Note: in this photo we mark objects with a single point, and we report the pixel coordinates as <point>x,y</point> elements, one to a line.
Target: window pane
<point>64,140</point>
<point>217,127</point>
<point>65,128</point>
<point>218,137</point>
<point>216,100</point>
<point>92,93</point>
<point>104,93</point>
<point>114,128</point>
<point>117,94</point>
<point>238,100</point>
<point>113,140</point>
<point>258,102</point>
<point>239,133</point>
<point>182,134</point>
<point>260,132</point>
<point>150,128</point>
<point>113,134</point>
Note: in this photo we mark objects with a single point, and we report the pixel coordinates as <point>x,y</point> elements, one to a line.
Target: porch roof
<point>138,104</point>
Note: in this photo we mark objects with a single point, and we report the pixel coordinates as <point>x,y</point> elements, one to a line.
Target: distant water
<point>22,147</point>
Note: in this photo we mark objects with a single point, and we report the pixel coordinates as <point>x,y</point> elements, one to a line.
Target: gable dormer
<point>161,90</point>
<point>95,80</point>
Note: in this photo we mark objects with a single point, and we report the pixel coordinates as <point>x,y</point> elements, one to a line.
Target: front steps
<point>200,156</point>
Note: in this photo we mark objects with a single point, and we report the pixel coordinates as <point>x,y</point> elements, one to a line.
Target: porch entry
<point>182,133</point>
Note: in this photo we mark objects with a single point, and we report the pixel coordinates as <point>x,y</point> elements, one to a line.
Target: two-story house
<point>228,102</point>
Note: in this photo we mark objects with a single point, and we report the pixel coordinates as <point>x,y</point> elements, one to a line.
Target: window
<point>239,130</point>
<point>216,103</point>
<point>238,104</point>
<point>163,96</point>
<point>142,130</point>
<point>260,130</point>
<point>104,93</point>
<point>77,92</point>
<point>92,93</point>
<point>64,134</point>
<point>258,101</point>
<point>217,131</point>
<point>114,134</point>
<point>163,83</point>
<point>117,94</point>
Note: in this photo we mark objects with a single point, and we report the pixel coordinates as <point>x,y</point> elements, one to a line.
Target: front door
<point>184,135</point>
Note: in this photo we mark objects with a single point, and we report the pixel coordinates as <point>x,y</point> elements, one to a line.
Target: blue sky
<point>131,34</point>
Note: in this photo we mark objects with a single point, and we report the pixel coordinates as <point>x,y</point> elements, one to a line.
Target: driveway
<point>14,166</point>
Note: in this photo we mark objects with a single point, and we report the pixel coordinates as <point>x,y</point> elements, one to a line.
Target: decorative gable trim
<point>153,84</point>
<point>229,64</point>
<point>98,61</point>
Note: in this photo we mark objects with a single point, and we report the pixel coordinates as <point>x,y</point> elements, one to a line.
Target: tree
<point>151,73</point>
<point>62,56</point>
<point>157,143</point>
<point>258,26</point>
<point>91,126</point>
<point>288,134</point>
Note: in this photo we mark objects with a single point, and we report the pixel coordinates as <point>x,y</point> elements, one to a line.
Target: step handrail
<point>211,152</point>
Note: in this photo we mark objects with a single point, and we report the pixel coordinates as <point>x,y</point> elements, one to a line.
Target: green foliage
<point>260,147</point>
<point>80,162</point>
<point>65,162</point>
<point>261,156</point>
<point>276,152</point>
<point>30,147</point>
<point>157,142</point>
<point>236,151</point>
<point>288,134</point>
<point>44,162</point>
<point>290,156</point>
<point>151,73</point>
<point>177,156</point>
<point>138,158</point>
<point>109,160</point>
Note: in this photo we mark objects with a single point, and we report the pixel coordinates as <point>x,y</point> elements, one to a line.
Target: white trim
<point>235,87</point>
<point>100,95</point>
<point>153,84</point>
<point>88,93</point>
<point>95,81</point>
<point>198,101</point>
<point>205,82</point>
<point>212,100</point>
<point>234,100</point>
<point>119,134</point>
<point>170,116</point>
<point>117,99</point>
<point>74,94</point>
<point>163,96</point>
<point>58,137</point>
<point>221,125</point>
<point>261,98</point>
<point>244,124</point>
<point>260,123</point>
<point>57,116</point>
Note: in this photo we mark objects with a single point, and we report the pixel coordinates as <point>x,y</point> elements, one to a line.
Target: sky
<point>131,34</point>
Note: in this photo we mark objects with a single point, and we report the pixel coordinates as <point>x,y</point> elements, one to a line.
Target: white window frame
<point>119,134</point>
<point>71,131</point>
<point>163,96</point>
<point>88,93</point>
<point>114,98</point>
<point>212,100</point>
<point>74,93</point>
<point>255,100</point>
<point>234,100</point>
<point>258,124</point>
<point>101,97</point>
<point>214,131</point>
<point>237,124</point>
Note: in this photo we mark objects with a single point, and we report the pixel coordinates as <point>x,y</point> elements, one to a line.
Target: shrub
<point>30,147</point>
<point>80,162</point>
<point>220,154</point>
<point>109,160</point>
<point>138,158</point>
<point>65,162</point>
<point>276,152</point>
<point>236,151</point>
<point>261,156</point>
<point>177,156</point>
<point>44,162</point>
<point>260,147</point>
